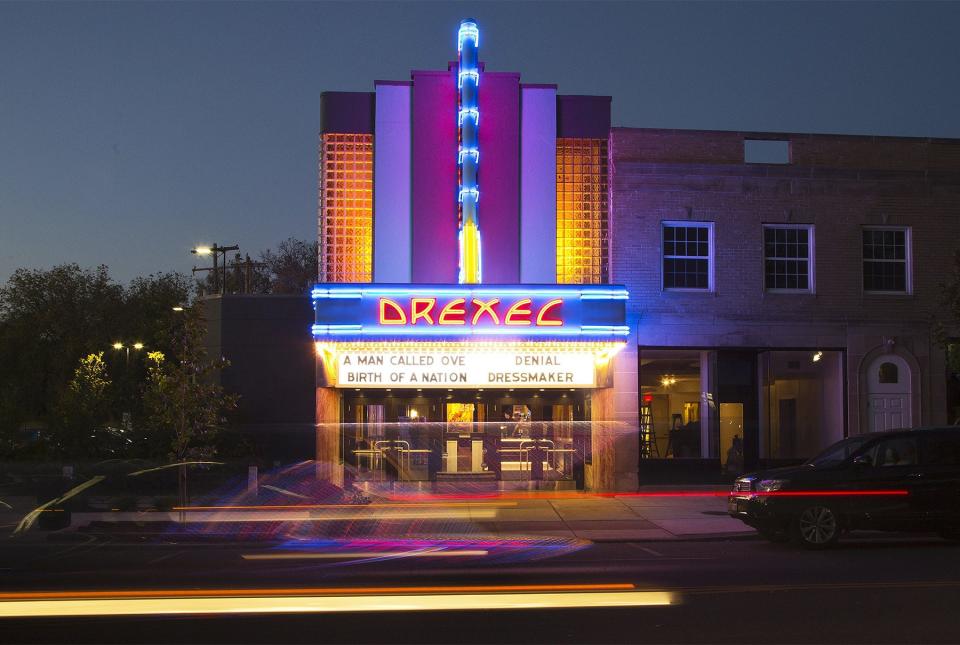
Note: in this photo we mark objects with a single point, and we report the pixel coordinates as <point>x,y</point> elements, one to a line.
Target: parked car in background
<point>904,480</point>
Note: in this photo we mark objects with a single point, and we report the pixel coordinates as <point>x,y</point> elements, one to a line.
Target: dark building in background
<point>271,368</point>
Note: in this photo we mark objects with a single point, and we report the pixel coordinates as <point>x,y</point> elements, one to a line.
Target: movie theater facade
<point>513,292</point>
<point>465,324</point>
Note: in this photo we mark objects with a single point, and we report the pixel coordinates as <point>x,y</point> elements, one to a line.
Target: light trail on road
<point>361,555</point>
<point>327,600</point>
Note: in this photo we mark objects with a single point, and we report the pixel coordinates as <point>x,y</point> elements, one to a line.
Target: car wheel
<point>816,527</point>
<point>774,535</point>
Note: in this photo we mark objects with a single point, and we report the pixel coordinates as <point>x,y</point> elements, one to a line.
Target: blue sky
<point>130,132</point>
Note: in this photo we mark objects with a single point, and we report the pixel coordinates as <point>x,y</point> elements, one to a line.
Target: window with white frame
<point>886,259</point>
<point>688,255</point>
<point>787,257</point>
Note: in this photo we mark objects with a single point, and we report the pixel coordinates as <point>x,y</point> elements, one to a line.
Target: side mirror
<point>862,461</point>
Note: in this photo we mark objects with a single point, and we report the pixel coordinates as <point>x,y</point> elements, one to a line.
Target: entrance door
<point>888,393</point>
<point>463,444</point>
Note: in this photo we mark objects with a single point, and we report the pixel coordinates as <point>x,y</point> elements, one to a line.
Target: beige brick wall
<point>836,183</point>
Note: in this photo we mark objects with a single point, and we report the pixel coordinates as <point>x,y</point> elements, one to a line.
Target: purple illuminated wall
<point>435,253</point>
<point>538,183</point>
<point>391,176</point>
<point>499,179</point>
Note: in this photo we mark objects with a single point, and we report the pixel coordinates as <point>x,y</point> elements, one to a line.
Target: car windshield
<point>838,452</point>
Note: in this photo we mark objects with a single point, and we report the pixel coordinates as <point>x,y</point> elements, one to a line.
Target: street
<point>872,588</point>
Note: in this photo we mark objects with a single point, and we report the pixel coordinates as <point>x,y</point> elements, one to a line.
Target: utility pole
<point>247,266</point>
<point>215,250</point>
<point>216,274</point>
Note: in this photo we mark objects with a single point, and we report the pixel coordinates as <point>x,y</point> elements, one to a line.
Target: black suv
<point>903,480</point>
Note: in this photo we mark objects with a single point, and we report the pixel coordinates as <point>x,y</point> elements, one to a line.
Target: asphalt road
<point>868,590</point>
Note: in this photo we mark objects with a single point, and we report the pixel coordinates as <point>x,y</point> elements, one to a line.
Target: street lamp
<point>215,251</point>
<point>119,345</point>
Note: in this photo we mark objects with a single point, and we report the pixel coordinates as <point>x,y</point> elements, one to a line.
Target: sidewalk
<point>653,515</point>
<point>620,518</point>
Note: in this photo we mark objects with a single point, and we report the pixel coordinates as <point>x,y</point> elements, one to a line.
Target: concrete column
<point>601,473</point>
<point>626,415</point>
<point>329,465</point>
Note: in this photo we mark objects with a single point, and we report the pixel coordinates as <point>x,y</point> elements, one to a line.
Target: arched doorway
<point>888,380</point>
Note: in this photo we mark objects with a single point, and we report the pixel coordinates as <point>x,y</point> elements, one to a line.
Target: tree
<point>149,302</point>
<point>148,314</point>
<point>293,266</point>
<point>49,319</point>
<point>81,428</point>
<point>237,277</point>
<point>52,318</point>
<point>184,405</point>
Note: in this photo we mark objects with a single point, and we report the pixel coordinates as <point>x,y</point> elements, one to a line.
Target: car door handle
<point>915,475</point>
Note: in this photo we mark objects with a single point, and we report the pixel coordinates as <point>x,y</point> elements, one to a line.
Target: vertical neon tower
<point>468,154</point>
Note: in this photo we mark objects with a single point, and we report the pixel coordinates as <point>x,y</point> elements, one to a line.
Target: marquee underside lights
<point>468,154</point>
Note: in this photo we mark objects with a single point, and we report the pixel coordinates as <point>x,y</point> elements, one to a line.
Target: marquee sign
<point>383,367</point>
<point>439,312</point>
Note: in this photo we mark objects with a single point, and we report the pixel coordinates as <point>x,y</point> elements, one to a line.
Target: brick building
<point>802,314</point>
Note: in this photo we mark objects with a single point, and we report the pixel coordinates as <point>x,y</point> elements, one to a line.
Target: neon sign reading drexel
<point>474,312</point>
<point>367,311</point>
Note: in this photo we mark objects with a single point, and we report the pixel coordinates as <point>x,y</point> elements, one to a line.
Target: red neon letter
<point>453,308</point>
<point>552,322</point>
<point>488,307</point>
<point>400,318</point>
<point>519,308</point>
<point>417,311</point>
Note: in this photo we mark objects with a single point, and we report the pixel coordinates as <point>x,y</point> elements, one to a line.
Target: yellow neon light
<point>519,308</point>
<point>471,253</point>
<point>530,347</point>
<point>543,322</point>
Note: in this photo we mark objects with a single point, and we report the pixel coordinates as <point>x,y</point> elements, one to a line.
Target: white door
<point>888,393</point>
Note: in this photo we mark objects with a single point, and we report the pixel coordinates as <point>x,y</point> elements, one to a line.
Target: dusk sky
<point>130,132</point>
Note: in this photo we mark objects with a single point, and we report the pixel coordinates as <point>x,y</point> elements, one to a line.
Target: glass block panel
<point>582,211</point>
<point>346,207</point>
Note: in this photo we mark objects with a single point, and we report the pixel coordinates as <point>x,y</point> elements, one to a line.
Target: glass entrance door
<point>520,436</point>
<point>463,439</point>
